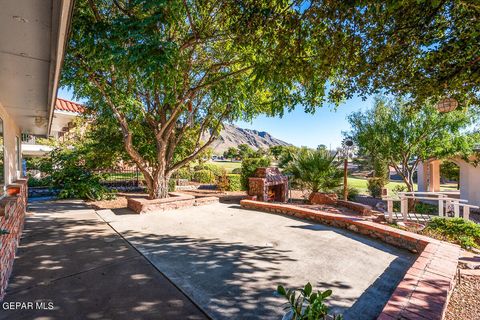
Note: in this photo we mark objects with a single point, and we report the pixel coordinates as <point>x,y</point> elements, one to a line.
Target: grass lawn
<point>361,184</point>
<point>228,165</point>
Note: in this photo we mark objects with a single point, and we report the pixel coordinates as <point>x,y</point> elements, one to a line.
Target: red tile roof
<point>70,106</point>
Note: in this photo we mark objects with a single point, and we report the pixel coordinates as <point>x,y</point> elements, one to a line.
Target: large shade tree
<point>404,135</point>
<point>169,73</point>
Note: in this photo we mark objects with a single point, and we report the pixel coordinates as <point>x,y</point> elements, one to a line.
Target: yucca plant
<point>315,170</point>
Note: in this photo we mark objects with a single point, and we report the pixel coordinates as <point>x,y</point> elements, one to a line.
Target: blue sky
<point>299,128</point>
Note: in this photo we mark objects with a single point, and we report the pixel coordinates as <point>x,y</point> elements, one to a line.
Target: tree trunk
<point>159,189</point>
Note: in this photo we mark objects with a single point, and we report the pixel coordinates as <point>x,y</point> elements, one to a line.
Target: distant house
<point>63,121</point>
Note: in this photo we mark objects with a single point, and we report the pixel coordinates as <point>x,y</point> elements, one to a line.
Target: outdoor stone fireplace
<point>268,184</point>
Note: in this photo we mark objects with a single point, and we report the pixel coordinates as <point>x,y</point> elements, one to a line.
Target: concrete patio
<point>70,257</point>
<point>230,260</point>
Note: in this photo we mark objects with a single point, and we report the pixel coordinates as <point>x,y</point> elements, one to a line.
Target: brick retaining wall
<point>12,218</point>
<point>425,289</point>
<point>175,201</point>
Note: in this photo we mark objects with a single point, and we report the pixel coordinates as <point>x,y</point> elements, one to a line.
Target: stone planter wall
<point>426,287</point>
<point>175,201</point>
<point>12,218</point>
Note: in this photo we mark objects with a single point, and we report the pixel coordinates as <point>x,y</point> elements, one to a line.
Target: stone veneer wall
<point>425,289</point>
<point>12,218</point>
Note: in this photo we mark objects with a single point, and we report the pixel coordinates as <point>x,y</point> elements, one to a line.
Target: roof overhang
<point>33,36</point>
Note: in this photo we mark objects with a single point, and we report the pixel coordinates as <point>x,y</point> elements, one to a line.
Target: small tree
<point>316,170</point>
<point>231,153</point>
<point>169,74</point>
<point>245,151</point>
<point>405,134</point>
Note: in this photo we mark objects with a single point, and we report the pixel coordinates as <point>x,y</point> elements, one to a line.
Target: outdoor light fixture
<point>447,105</point>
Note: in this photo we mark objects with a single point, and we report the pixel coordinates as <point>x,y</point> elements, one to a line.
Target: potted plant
<point>304,304</point>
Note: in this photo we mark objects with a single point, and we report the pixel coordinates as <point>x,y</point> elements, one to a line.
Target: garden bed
<point>174,201</point>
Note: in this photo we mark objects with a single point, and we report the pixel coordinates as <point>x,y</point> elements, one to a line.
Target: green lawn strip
<point>227,165</point>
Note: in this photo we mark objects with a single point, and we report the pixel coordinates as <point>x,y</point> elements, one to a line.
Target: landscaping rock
<point>323,198</point>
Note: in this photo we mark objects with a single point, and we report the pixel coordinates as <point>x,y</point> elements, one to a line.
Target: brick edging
<point>424,291</point>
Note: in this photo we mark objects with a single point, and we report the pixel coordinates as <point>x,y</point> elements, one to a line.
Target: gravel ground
<point>465,301</point>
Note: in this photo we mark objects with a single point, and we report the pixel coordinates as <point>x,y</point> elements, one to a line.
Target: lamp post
<point>347,144</point>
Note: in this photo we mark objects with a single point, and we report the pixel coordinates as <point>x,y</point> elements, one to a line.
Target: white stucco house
<point>429,179</point>
<point>64,114</point>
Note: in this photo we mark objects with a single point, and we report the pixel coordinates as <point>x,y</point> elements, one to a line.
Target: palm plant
<point>315,170</point>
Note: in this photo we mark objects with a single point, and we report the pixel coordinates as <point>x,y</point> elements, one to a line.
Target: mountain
<point>232,136</point>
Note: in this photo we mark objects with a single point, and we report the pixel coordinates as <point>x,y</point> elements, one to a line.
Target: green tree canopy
<point>404,135</point>
<point>231,153</point>
<point>168,70</point>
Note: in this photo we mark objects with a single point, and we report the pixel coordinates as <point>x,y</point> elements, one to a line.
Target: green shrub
<point>85,186</point>
<point>375,186</point>
<point>456,230</point>
<point>234,182</point>
<point>237,171</point>
<point>249,165</point>
<point>204,176</point>
<point>216,170</point>
<point>183,173</point>
<point>352,193</point>
<point>69,173</point>
<point>40,182</point>
<point>399,188</point>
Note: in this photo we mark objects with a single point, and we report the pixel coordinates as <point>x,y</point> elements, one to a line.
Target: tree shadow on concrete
<point>70,257</point>
<point>370,304</point>
<point>229,280</point>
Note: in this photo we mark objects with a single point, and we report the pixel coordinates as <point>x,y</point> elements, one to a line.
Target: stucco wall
<point>469,182</point>
<point>10,131</point>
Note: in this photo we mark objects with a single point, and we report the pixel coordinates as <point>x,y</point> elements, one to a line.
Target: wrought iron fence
<point>121,179</point>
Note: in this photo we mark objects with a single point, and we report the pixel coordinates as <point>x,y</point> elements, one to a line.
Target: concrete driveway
<point>230,260</point>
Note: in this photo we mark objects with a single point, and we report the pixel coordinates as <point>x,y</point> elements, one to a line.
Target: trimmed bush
<point>216,170</point>
<point>183,173</point>
<point>237,171</point>
<point>375,186</point>
<point>204,176</point>
<point>234,182</point>
<point>249,165</point>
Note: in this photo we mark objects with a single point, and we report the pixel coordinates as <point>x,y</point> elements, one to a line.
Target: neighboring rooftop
<point>69,106</point>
